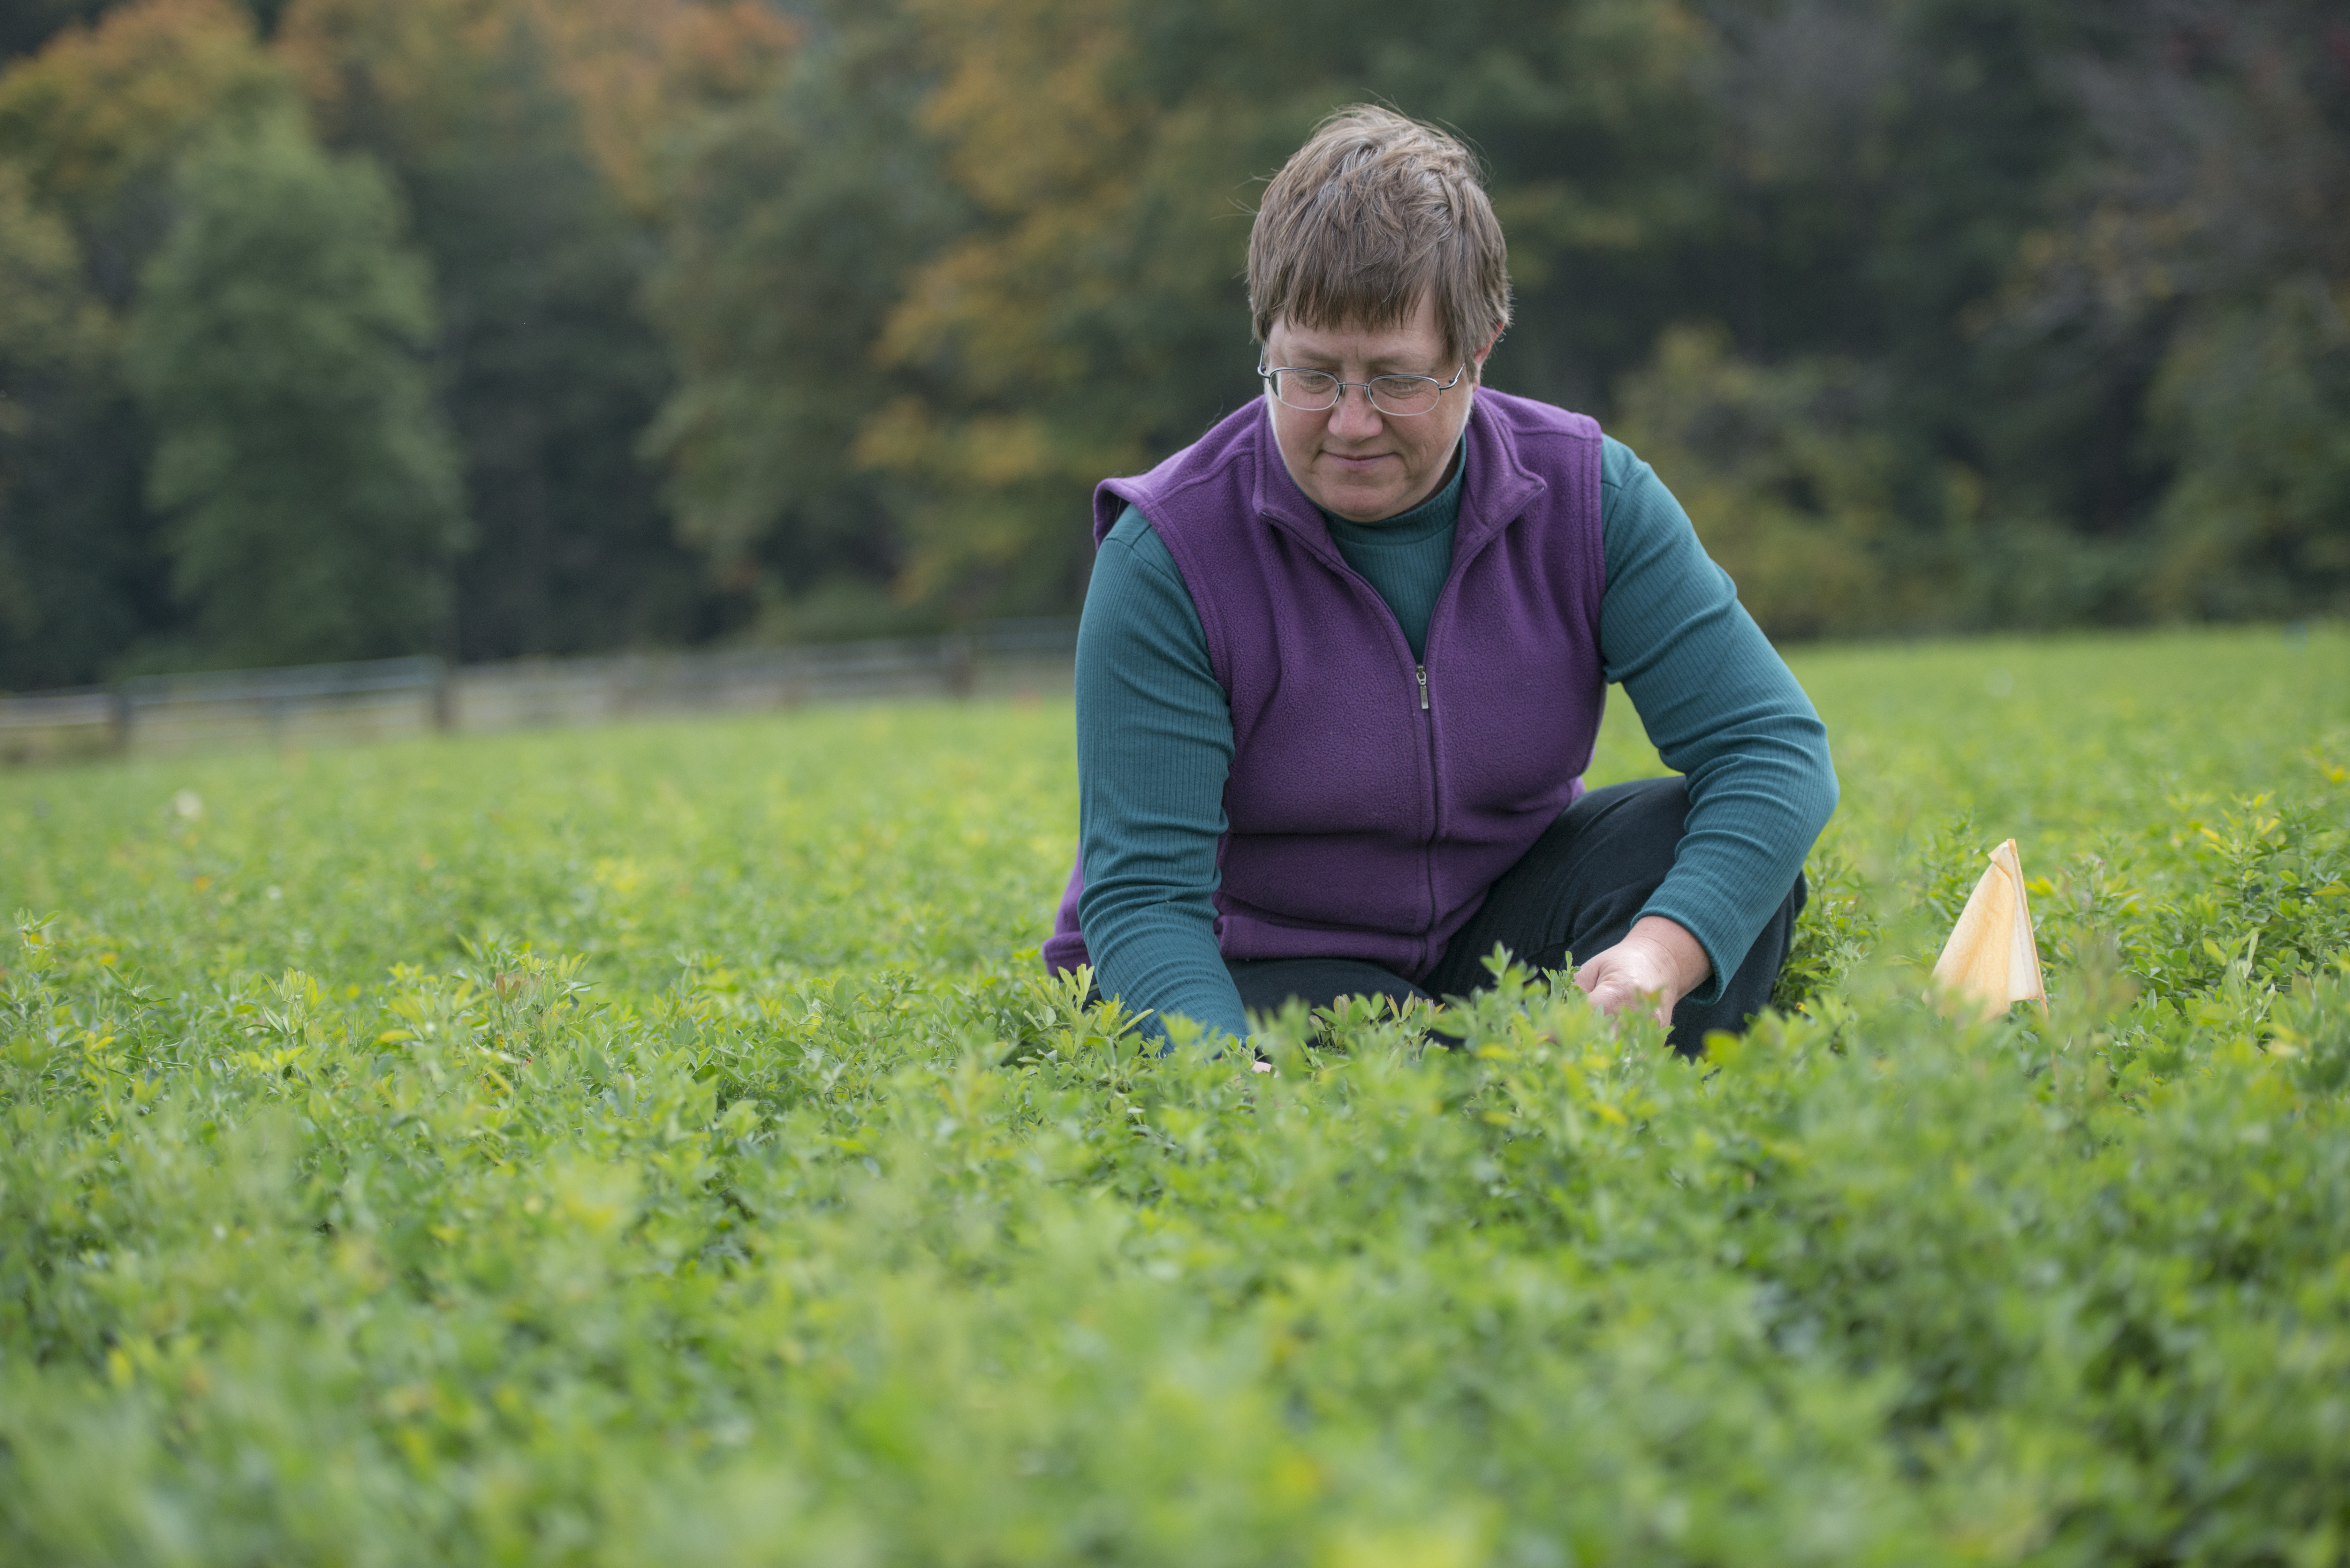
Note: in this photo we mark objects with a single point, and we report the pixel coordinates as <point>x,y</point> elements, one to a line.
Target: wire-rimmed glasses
<point>1314,391</point>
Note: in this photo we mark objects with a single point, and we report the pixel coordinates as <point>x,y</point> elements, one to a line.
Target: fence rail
<point>327,702</point>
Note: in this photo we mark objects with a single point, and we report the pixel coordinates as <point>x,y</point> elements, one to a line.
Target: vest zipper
<point>1435,811</point>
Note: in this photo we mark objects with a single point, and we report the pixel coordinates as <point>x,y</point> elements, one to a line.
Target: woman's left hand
<point>1656,964</point>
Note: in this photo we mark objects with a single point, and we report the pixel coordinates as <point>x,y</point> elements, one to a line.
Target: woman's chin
<point>1365,501</point>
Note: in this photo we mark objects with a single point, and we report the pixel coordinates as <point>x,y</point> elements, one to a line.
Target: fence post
<point>958,661</point>
<point>119,718</point>
<point>443,696</point>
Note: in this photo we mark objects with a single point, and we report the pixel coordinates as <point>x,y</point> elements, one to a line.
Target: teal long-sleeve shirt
<point>1155,735</point>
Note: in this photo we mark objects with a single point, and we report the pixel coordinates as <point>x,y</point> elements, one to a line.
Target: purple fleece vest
<point>1361,822</point>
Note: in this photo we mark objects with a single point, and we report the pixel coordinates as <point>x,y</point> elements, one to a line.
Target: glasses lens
<point>1404,394</point>
<point>1309,391</point>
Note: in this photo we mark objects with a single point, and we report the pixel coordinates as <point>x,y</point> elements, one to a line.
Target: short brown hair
<point>1373,211</point>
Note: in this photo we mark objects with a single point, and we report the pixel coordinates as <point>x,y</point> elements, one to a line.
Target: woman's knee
<point>1625,835</point>
<point>1656,807</point>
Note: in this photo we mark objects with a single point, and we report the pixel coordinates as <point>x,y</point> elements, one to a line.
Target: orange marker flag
<point>1992,959</point>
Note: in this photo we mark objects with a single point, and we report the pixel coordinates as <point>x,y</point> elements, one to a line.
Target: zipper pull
<point>1421,670</point>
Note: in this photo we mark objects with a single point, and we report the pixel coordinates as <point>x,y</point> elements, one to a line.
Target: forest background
<point>342,328</point>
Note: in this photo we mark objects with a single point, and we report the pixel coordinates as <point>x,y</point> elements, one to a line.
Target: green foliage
<point>2197,256</point>
<point>2255,401</point>
<point>546,371</point>
<point>1851,268</point>
<point>59,612</point>
<point>100,118</point>
<point>798,216</point>
<point>275,346</point>
<point>1789,489</point>
<point>494,123</point>
<point>49,323</point>
<point>825,318</point>
<point>1064,199</point>
<point>30,25</point>
<point>1838,929</point>
<point>656,1144</point>
<point>90,131</point>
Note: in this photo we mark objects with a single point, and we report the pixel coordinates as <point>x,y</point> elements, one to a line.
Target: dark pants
<point>1575,894</point>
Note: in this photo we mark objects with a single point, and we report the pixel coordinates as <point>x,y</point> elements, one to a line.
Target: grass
<point>655,1143</point>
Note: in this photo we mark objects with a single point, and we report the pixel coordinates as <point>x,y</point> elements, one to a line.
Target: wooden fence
<point>324,703</point>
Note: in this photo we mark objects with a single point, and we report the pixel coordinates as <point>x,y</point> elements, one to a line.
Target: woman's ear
<point>1478,358</point>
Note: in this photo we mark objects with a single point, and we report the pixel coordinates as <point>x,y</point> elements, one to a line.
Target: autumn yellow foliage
<point>106,106</point>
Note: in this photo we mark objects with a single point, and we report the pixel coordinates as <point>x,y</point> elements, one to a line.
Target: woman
<point>1343,660</point>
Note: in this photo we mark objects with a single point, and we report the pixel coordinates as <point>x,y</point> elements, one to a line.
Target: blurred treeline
<point>336,329</point>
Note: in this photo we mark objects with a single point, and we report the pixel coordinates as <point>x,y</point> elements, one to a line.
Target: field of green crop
<point>655,1145</point>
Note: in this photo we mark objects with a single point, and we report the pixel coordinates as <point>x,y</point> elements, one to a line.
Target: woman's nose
<point>1354,417</point>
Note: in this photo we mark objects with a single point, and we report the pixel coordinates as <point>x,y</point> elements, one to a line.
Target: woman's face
<point>1352,460</point>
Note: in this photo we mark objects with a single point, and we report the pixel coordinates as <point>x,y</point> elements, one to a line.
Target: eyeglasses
<point>1312,392</point>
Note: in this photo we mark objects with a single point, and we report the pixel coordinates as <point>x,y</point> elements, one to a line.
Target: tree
<point>99,118</point>
<point>797,217</point>
<point>1777,466</point>
<point>2207,236</point>
<point>1944,313</point>
<point>28,25</point>
<point>639,70</point>
<point>1010,233</point>
<point>90,131</point>
<point>519,131</point>
<point>62,614</point>
<point>276,346</point>
<point>2253,398</point>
